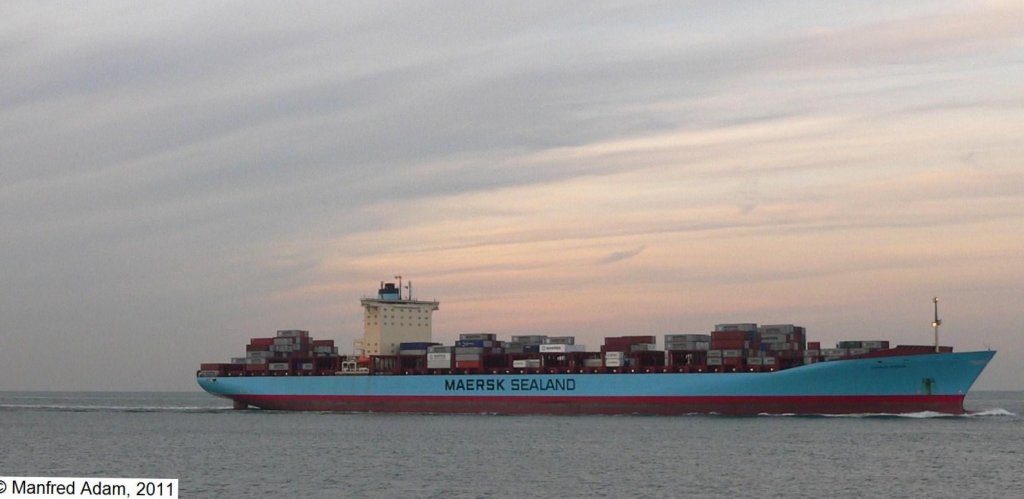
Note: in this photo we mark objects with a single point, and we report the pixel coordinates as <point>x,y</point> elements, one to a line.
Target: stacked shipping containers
<point>730,347</point>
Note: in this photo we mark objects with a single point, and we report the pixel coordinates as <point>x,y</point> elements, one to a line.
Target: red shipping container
<point>323,343</point>
<point>814,345</point>
<point>468,364</point>
<point>256,348</point>
<point>730,335</point>
<point>261,342</point>
<point>728,344</point>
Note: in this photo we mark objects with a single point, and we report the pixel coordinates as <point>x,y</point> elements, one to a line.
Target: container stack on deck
<point>729,348</point>
<point>291,352</point>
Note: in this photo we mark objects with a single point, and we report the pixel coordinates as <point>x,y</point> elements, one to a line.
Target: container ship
<point>735,369</point>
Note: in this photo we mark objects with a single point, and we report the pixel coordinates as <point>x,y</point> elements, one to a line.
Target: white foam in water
<point>991,412</point>
<point>113,408</point>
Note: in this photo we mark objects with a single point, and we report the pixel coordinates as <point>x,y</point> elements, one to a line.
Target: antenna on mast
<point>399,287</point>
<point>937,322</point>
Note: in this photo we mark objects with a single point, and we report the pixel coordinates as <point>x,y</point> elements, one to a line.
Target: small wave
<point>909,415</point>
<point>991,412</point>
<point>110,408</point>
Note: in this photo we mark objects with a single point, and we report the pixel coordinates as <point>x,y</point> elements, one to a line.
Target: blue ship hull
<point>899,384</point>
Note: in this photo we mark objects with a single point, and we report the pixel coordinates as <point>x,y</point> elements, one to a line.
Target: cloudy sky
<point>180,177</point>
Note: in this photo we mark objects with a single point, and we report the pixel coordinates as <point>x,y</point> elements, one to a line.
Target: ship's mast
<point>936,323</point>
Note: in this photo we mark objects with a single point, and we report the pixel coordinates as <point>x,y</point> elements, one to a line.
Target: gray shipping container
<point>749,327</point>
<point>478,336</point>
<point>560,340</point>
<point>687,337</point>
<point>278,366</point>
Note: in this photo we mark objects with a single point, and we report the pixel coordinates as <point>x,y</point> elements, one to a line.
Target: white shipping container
<point>613,362</point>
<point>872,344</point>
<point>714,361</point>
<point>439,364</point>
<point>754,361</point>
<point>562,348</point>
<point>812,353</point>
<point>591,362</point>
<point>439,356</point>
<point>833,352</point>
<point>714,353</point>
<point>307,366</point>
<point>238,360</point>
<point>613,355</point>
<point>467,357</point>
<point>768,361</point>
<point>535,339</point>
<point>732,353</point>
<point>278,366</point>
<point>859,351</point>
<point>282,341</point>
<point>255,361</point>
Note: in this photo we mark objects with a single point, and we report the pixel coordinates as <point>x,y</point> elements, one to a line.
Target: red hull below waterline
<point>729,405</point>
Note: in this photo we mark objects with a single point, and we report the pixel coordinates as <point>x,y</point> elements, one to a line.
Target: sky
<point>180,177</point>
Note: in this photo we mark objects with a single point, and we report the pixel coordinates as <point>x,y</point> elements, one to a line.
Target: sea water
<point>216,451</point>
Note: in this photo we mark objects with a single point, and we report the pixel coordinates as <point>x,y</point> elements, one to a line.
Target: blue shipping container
<point>416,345</point>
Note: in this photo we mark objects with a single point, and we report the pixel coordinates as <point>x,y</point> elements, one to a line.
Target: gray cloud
<point>619,256</point>
<point>165,169</point>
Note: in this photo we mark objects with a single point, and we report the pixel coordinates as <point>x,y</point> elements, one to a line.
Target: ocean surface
<point>218,452</point>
